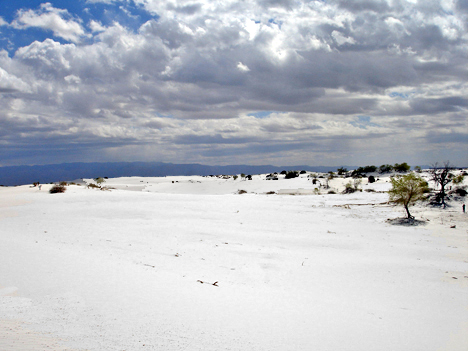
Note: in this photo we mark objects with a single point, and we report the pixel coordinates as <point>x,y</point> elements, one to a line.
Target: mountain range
<point>18,175</point>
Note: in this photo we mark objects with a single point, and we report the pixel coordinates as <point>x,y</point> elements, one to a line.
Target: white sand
<point>121,270</point>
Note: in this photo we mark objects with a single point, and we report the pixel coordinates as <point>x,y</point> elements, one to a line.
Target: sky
<point>282,82</point>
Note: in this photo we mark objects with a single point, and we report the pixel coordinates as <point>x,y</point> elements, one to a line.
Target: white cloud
<point>341,39</point>
<point>10,83</point>
<point>242,67</point>
<point>96,26</point>
<point>50,18</point>
<point>3,22</point>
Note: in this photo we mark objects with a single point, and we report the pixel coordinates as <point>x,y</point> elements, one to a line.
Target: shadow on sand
<point>406,222</point>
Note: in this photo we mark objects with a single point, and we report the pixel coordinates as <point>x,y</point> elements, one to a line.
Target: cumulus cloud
<point>50,18</point>
<point>274,81</point>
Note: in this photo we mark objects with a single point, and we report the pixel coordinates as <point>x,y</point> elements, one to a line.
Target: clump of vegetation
<point>242,191</point>
<point>342,171</point>
<point>64,183</point>
<point>460,192</point>
<point>386,168</point>
<point>401,167</point>
<point>93,186</point>
<point>331,192</point>
<point>407,190</point>
<point>271,193</point>
<point>291,174</point>
<point>352,187</point>
<point>235,177</point>
<point>58,188</point>
<point>363,170</point>
<point>371,179</point>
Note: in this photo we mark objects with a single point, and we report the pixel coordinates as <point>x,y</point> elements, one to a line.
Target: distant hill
<point>19,175</point>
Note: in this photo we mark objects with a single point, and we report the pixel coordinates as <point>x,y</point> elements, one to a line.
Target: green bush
<point>401,167</point>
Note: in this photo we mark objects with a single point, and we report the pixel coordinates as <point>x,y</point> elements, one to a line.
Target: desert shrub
<point>342,170</point>
<point>63,183</point>
<point>283,172</point>
<point>235,177</point>
<point>363,170</point>
<point>370,190</point>
<point>371,179</point>
<point>349,188</point>
<point>271,193</point>
<point>242,175</point>
<point>401,167</point>
<point>303,172</point>
<point>93,186</point>
<point>58,188</point>
<point>460,191</point>
<point>331,192</point>
<point>418,169</point>
<point>385,168</point>
<point>249,177</point>
<point>291,174</point>
<point>242,191</point>
<point>458,179</point>
<point>352,187</point>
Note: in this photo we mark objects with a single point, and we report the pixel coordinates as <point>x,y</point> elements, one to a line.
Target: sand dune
<point>186,263</point>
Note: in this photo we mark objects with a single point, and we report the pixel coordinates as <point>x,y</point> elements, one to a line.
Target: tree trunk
<point>408,214</point>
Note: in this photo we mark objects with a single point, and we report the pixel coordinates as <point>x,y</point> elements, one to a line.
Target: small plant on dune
<point>57,189</point>
<point>407,190</point>
<point>242,192</point>
<point>352,187</point>
<point>291,174</point>
<point>342,171</point>
<point>99,180</point>
<point>235,177</point>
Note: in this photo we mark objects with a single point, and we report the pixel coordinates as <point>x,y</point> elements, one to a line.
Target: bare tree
<point>441,176</point>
